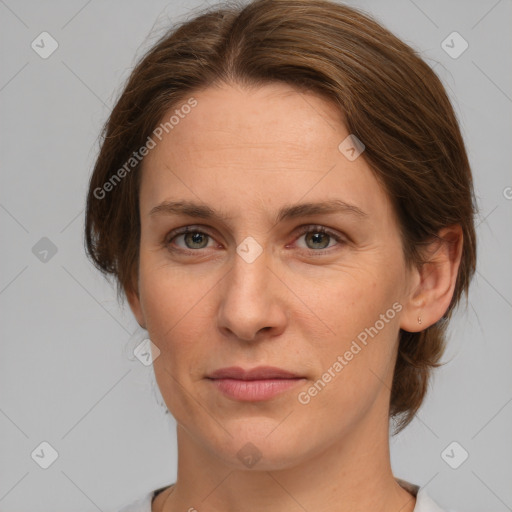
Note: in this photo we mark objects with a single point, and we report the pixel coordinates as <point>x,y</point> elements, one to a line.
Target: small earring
<point>419,319</point>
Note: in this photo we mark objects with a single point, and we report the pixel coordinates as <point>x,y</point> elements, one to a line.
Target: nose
<point>252,304</point>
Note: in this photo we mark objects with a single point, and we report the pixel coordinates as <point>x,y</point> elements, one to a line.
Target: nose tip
<point>250,304</point>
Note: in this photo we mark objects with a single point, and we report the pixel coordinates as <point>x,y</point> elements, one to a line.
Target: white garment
<point>424,503</point>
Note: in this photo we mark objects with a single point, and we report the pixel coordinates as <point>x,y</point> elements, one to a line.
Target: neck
<point>353,474</point>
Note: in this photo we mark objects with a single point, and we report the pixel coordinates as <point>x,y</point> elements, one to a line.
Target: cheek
<point>349,300</point>
<point>361,311</point>
<point>168,295</point>
<point>356,365</point>
<point>178,309</point>
<point>175,308</point>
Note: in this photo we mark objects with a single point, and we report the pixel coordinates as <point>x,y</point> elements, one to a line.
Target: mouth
<point>256,384</point>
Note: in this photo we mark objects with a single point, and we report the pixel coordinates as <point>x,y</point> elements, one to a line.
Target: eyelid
<point>186,229</point>
<point>318,228</point>
<point>307,228</point>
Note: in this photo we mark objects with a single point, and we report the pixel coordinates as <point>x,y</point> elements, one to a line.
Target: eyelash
<point>304,231</point>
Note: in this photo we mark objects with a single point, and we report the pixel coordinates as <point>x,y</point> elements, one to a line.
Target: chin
<point>262,445</point>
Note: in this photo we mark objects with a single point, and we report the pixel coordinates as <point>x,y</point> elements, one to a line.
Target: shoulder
<point>424,503</point>
<point>146,503</point>
<point>141,505</point>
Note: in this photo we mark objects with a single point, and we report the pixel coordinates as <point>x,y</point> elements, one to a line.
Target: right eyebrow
<point>188,208</point>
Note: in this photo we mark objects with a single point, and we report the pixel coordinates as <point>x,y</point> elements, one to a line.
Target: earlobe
<point>435,281</point>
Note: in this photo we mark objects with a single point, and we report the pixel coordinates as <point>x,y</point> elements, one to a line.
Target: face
<point>257,280</point>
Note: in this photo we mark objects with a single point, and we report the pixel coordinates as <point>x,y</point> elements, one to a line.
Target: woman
<point>284,197</point>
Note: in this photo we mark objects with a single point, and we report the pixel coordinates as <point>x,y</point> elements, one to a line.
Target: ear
<point>434,282</point>
<point>132,294</point>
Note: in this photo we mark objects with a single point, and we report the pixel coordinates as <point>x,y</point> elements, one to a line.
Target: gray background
<point>66,375</point>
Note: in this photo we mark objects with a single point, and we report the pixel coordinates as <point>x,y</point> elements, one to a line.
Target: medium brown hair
<point>389,97</point>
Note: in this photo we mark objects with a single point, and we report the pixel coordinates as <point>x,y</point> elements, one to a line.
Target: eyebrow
<point>203,211</point>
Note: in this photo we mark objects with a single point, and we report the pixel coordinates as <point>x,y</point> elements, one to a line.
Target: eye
<point>192,237</point>
<point>318,238</point>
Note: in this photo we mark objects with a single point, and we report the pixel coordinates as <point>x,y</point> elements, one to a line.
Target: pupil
<point>196,238</point>
<point>316,239</point>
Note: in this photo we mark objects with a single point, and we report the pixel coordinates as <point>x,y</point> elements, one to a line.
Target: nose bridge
<point>250,273</point>
<point>249,302</point>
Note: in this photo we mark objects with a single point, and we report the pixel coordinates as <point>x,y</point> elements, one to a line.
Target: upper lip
<point>258,373</point>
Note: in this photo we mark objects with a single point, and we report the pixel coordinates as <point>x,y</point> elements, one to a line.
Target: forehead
<point>276,115</point>
<point>262,146</point>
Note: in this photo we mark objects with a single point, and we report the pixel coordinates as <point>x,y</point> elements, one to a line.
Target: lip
<point>256,384</point>
<point>258,373</point>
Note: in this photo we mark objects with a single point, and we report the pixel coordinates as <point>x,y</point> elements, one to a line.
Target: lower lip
<point>254,390</point>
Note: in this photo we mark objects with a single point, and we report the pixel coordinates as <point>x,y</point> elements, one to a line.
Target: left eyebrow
<point>325,207</point>
<point>203,211</point>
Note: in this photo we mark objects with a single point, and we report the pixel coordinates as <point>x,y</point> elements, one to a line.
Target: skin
<point>247,152</point>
